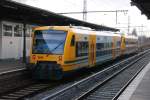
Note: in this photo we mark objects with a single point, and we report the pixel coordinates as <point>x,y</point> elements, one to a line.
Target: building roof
<point>11,10</point>
<point>143,5</point>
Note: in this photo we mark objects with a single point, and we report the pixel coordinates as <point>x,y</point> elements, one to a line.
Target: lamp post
<point>24,43</point>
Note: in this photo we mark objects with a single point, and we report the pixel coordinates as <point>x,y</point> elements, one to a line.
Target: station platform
<point>139,88</point>
<point>10,65</point>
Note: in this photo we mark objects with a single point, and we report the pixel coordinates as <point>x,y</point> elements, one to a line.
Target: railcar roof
<point>65,28</point>
<point>78,30</point>
<point>98,33</point>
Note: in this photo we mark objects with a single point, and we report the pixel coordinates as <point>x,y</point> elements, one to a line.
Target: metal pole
<point>128,24</point>
<point>142,41</point>
<point>24,43</point>
<point>116,16</point>
<point>84,10</point>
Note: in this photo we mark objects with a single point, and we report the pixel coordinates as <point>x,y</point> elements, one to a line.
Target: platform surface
<point>9,65</point>
<point>139,89</point>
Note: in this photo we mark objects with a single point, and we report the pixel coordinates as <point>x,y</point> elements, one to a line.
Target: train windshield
<point>49,42</point>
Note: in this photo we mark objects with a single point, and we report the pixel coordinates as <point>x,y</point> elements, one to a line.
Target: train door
<point>123,45</point>
<point>114,47</point>
<point>92,48</point>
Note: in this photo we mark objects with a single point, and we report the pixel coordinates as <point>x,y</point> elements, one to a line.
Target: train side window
<point>99,46</point>
<point>82,48</point>
<point>73,40</point>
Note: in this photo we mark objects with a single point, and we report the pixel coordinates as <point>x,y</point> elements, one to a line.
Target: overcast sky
<point>108,19</point>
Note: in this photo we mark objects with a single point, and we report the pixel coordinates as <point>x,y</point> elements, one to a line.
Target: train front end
<point>47,53</point>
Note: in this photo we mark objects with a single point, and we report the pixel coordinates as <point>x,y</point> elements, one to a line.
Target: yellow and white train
<point>60,49</point>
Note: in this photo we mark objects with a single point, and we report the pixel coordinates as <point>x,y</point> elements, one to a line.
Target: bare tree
<point>134,32</point>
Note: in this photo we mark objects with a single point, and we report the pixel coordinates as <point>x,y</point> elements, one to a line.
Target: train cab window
<point>73,40</point>
<point>49,42</point>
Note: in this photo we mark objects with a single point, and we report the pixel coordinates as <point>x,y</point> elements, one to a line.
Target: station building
<point>11,39</point>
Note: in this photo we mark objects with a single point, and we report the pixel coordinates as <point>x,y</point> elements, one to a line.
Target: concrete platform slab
<point>8,65</point>
<point>139,89</point>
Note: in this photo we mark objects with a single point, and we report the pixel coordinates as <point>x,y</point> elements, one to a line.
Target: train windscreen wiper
<point>57,46</point>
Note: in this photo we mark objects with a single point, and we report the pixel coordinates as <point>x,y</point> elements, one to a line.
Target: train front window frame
<point>49,42</point>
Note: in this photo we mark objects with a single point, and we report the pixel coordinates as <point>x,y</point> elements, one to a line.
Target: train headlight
<point>60,58</point>
<point>34,57</point>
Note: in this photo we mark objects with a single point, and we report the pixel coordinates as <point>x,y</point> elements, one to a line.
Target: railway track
<point>112,87</point>
<point>33,88</point>
<point>17,84</point>
<point>19,95</point>
<point>104,85</point>
<point>20,85</point>
<point>13,79</point>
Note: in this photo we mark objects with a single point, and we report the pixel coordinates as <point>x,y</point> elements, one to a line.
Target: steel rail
<point>12,71</point>
<point>106,80</point>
